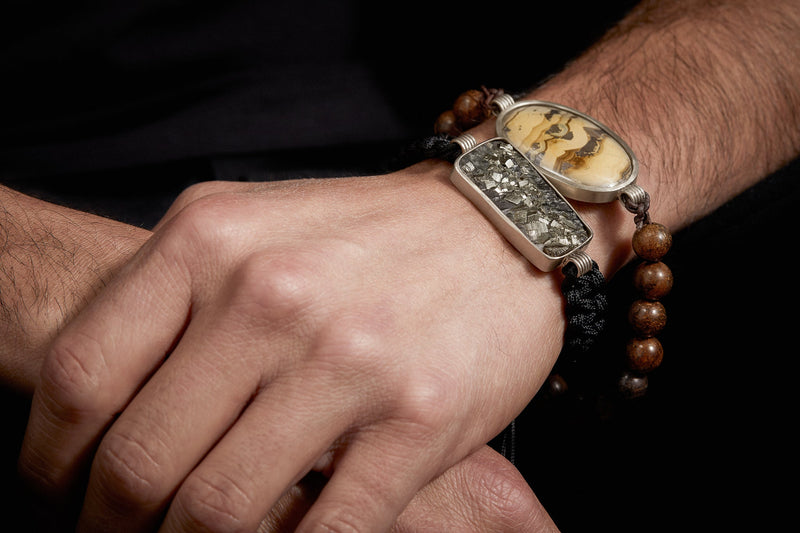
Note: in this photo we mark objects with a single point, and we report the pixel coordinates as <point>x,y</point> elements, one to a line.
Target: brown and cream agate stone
<point>567,144</point>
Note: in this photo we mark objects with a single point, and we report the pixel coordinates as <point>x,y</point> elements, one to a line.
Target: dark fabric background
<point>115,107</point>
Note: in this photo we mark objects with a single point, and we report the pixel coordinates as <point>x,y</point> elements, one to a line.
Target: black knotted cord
<point>586,307</point>
<point>438,146</point>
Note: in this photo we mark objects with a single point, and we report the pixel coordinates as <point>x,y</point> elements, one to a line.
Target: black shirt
<point>104,84</point>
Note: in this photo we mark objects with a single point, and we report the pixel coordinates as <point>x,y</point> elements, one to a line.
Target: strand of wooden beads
<point>470,109</point>
<point>652,280</point>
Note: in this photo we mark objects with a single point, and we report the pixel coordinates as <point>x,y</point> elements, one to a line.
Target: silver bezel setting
<point>531,251</point>
<point>568,187</point>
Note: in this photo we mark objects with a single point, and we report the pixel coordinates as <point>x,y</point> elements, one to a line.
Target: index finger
<point>96,365</point>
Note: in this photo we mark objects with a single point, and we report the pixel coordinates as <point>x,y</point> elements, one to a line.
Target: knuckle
<point>199,190</point>
<point>72,376</point>
<point>428,401</point>
<point>503,496</point>
<point>37,468</point>
<point>342,521</point>
<point>357,341</point>
<point>209,221</point>
<point>215,502</point>
<point>272,285</point>
<point>129,474</point>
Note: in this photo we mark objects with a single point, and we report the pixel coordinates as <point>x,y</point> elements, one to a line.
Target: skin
<point>360,385</point>
<point>263,332</point>
<point>482,493</point>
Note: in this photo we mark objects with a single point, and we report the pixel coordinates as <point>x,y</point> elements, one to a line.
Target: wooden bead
<point>555,386</point>
<point>468,108</point>
<point>644,355</point>
<point>653,280</point>
<point>446,124</point>
<point>632,385</point>
<point>652,241</point>
<point>647,317</point>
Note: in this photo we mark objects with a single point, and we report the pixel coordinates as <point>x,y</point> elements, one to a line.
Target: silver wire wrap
<point>581,260</point>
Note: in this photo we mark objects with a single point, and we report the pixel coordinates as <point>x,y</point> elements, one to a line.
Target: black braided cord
<point>586,308</point>
<point>439,146</point>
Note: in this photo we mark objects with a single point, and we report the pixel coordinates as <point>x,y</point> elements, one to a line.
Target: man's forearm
<point>707,94</point>
<point>52,261</point>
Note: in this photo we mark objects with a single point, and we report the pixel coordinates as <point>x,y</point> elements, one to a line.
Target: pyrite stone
<point>523,205</point>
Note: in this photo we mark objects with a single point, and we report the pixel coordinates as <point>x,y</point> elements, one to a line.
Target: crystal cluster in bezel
<point>523,196</point>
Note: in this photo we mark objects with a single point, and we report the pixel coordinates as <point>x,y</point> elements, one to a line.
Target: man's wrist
<point>52,261</point>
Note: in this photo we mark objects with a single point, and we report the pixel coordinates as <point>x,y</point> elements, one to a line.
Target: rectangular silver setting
<point>521,203</point>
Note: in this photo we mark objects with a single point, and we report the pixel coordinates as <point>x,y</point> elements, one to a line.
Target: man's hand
<point>483,493</point>
<point>379,330</point>
<point>376,329</point>
<point>79,253</point>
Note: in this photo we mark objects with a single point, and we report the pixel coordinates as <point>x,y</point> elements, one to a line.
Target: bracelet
<point>544,154</point>
<point>653,280</point>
